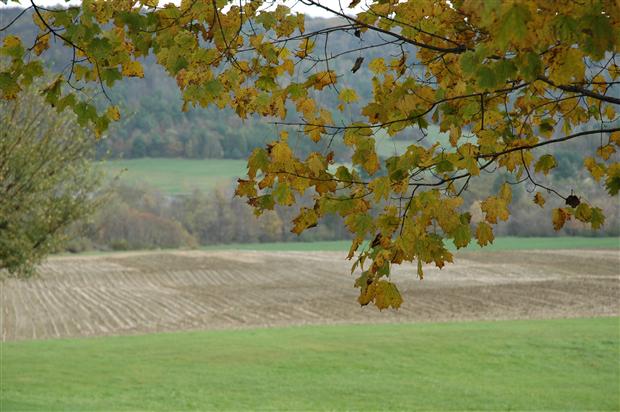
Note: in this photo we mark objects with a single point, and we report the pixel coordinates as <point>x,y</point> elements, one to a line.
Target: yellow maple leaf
<point>306,219</point>
<point>132,69</point>
<point>11,41</point>
<point>315,164</point>
<point>606,151</point>
<point>484,234</point>
<point>113,113</point>
<point>281,153</point>
<point>559,217</point>
<point>596,169</point>
<point>377,65</point>
<point>495,208</point>
<point>610,112</point>
<point>387,295</point>
<point>539,199</point>
<point>43,43</point>
<point>323,79</point>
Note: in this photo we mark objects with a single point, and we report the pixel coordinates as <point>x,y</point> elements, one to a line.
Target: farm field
<point>144,292</point>
<point>502,243</point>
<point>176,176</point>
<point>562,364</point>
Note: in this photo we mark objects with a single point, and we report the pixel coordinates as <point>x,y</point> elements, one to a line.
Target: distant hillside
<point>153,124</point>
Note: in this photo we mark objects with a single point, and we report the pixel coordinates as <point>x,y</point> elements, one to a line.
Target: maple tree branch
<point>175,20</point>
<point>418,29</point>
<point>493,157</point>
<point>37,39</point>
<point>55,32</point>
<point>452,178</point>
<point>547,142</point>
<point>319,179</point>
<point>15,19</point>
<point>459,49</point>
<point>403,218</point>
<point>581,90</point>
<point>72,44</point>
<point>372,46</point>
<point>343,27</point>
<point>406,119</point>
<point>536,184</point>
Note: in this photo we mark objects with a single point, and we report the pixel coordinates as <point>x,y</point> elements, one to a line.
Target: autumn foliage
<point>505,80</point>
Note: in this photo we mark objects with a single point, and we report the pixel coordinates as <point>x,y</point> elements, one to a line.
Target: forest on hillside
<point>154,123</point>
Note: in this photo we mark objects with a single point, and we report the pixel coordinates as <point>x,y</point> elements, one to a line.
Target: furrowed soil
<point>143,292</point>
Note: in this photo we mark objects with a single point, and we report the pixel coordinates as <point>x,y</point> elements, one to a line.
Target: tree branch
<point>547,142</point>
<point>581,90</point>
<point>459,49</point>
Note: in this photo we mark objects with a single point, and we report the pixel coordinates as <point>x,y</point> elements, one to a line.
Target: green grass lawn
<point>175,176</point>
<point>502,243</point>
<point>525,365</point>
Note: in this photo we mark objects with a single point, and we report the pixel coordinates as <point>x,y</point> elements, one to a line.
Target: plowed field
<point>130,293</point>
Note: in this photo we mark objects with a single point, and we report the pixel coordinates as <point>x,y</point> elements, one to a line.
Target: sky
<point>295,4</point>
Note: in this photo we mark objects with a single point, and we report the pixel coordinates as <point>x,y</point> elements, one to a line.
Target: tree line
<point>140,217</point>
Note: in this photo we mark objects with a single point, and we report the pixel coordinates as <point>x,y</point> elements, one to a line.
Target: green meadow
<point>179,176</point>
<point>569,364</point>
<point>176,176</point>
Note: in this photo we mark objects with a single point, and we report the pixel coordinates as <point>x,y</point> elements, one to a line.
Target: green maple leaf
<point>380,187</point>
<point>612,183</point>
<point>485,77</point>
<point>504,70</point>
<point>583,212</point>
<point>484,234</point>
<point>461,236</point>
<point>212,89</point>
<point>530,65</point>
<point>258,160</point>
<point>469,62</point>
<point>513,24</point>
<point>597,218</point>
<point>282,194</point>
<point>545,163</point>
<point>362,224</point>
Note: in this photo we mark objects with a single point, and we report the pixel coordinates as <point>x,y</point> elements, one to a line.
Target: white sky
<point>295,4</point>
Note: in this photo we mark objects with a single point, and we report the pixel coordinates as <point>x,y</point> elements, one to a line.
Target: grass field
<point>503,243</point>
<point>175,176</point>
<point>527,365</point>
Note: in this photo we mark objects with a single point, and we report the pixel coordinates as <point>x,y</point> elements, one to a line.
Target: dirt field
<point>167,291</point>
